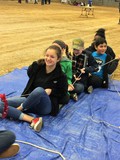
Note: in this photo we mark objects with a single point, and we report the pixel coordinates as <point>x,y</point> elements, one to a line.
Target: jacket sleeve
<point>32,68</point>
<point>92,65</point>
<point>110,52</point>
<point>31,74</point>
<point>68,71</point>
<point>111,67</point>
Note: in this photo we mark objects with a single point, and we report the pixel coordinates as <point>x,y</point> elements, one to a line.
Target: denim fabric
<point>7,138</point>
<point>37,102</point>
<point>12,112</point>
<point>79,88</point>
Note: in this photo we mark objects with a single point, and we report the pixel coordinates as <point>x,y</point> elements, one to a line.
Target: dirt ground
<point>26,30</point>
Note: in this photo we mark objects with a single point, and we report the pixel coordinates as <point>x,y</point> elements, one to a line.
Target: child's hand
<point>70,87</point>
<point>77,78</point>
<point>82,70</point>
<point>118,57</point>
<point>48,91</point>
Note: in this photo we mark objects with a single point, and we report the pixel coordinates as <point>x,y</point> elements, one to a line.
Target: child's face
<point>77,52</point>
<point>101,48</point>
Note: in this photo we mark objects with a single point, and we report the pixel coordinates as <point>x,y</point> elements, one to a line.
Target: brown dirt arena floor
<point>26,30</point>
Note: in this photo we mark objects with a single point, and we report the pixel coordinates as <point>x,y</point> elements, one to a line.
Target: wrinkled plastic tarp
<point>85,130</point>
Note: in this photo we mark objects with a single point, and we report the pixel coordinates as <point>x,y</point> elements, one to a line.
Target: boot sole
<point>11,151</point>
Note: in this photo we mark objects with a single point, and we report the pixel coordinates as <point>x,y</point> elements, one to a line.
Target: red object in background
<point>5,110</point>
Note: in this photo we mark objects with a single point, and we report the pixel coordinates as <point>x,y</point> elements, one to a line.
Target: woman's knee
<point>38,91</point>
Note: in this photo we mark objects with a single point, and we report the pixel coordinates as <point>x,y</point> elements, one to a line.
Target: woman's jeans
<point>7,138</point>
<point>38,102</point>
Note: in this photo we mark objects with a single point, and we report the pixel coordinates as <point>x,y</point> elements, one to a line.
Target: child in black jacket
<point>107,65</point>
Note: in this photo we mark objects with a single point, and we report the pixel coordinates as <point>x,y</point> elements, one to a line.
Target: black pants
<point>47,1</point>
<point>95,81</point>
<point>7,138</point>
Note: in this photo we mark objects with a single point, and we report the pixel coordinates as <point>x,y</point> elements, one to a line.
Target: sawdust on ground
<point>28,29</point>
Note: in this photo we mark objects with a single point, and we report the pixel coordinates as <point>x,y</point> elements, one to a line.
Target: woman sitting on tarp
<point>46,89</point>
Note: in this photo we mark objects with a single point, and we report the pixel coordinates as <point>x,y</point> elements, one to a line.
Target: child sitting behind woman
<point>106,65</point>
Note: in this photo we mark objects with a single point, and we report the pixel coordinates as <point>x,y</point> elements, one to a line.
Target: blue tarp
<point>85,130</point>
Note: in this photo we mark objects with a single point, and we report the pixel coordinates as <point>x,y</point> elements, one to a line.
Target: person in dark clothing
<point>101,33</point>
<point>7,146</point>
<point>19,1</point>
<point>99,79</point>
<point>35,1</point>
<point>83,63</point>
<point>90,3</point>
<point>44,92</point>
<point>43,2</point>
<point>47,1</point>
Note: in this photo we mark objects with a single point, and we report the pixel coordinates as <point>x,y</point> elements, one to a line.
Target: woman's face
<point>51,57</point>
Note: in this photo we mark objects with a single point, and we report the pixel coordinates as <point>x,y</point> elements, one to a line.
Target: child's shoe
<point>11,151</point>
<point>90,89</point>
<point>74,96</point>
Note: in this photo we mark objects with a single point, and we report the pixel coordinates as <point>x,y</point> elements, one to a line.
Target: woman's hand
<point>48,91</point>
<point>118,57</point>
